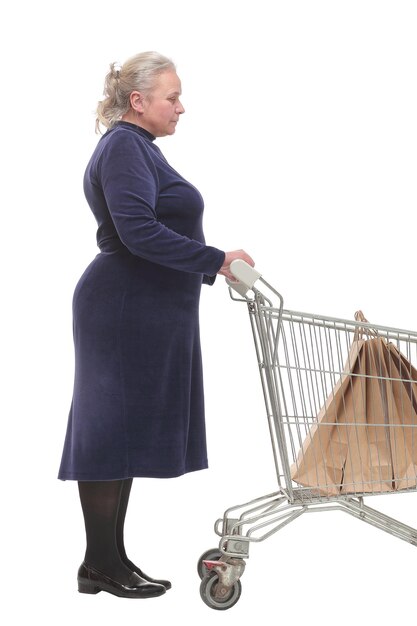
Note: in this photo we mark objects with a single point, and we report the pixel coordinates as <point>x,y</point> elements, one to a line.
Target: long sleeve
<point>129,179</point>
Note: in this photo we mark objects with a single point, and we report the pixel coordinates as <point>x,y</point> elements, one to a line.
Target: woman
<point>138,407</point>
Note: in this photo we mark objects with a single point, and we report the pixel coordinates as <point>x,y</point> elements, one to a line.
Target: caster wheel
<point>210,555</point>
<point>208,590</point>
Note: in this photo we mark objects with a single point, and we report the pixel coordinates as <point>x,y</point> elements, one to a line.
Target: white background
<point>300,131</point>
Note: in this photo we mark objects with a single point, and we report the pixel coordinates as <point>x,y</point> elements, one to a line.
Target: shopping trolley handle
<point>246,277</point>
<point>245,274</point>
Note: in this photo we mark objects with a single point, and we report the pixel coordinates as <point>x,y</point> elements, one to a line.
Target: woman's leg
<point>121,516</point>
<point>103,568</point>
<point>100,501</point>
<point>124,501</point>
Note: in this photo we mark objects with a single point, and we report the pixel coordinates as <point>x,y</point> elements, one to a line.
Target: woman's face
<point>161,108</point>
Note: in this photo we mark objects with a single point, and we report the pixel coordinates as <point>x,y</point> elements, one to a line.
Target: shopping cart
<point>341,403</point>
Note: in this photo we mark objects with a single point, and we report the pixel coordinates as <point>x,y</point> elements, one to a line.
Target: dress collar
<point>138,129</point>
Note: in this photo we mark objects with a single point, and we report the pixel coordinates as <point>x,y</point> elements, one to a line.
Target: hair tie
<point>117,69</point>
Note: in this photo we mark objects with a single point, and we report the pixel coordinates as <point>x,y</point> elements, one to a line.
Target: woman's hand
<point>232,256</point>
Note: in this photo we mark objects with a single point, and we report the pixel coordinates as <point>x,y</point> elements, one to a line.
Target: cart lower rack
<point>341,403</point>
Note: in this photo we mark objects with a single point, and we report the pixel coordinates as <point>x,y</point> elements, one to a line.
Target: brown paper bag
<point>363,440</point>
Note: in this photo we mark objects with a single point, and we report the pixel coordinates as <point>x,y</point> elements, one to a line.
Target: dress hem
<point>133,474</point>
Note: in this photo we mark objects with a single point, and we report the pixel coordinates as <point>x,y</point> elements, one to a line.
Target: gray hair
<point>137,74</point>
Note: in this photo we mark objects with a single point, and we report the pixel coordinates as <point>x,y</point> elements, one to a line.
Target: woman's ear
<point>136,101</point>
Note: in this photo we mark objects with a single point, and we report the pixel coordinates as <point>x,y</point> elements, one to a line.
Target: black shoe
<point>91,580</point>
<point>155,581</point>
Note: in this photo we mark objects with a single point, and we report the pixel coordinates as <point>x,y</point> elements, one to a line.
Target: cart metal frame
<point>300,357</point>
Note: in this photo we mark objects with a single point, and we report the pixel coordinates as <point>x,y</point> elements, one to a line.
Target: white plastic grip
<point>245,275</point>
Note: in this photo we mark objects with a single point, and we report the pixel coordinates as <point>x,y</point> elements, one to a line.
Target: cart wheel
<point>210,555</point>
<point>208,589</point>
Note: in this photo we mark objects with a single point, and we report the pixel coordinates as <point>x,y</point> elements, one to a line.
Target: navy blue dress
<point>138,403</point>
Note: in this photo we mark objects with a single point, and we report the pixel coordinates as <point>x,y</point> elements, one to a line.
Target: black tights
<point>104,505</point>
